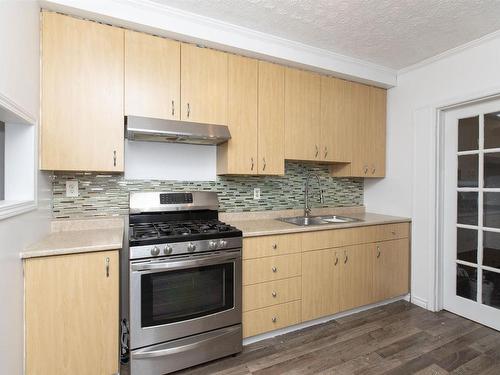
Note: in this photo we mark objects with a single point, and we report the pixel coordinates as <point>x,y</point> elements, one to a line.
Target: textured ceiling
<point>391,33</point>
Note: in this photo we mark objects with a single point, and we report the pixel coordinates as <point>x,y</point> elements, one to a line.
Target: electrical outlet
<point>256,193</point>
<point>72,188</point>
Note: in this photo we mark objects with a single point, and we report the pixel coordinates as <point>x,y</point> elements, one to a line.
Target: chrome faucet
<point>307,208</point>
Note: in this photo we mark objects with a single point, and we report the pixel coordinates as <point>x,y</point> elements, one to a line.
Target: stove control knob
<point>155,251</point>
<point>222,243</point>
<point>212,245</point>
<point>167,250</point>
<point>191,247</point>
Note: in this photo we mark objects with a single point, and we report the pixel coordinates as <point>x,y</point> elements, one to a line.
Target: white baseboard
<point>420,302</point>
<point>282,331</point>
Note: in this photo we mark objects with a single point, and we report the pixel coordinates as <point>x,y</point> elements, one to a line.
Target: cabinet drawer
<point>271,268</point>
<point>272,293</point>
<point>266,246</point>
<point>391,231</point>
<point>354,236</point>
<point>270,318</point>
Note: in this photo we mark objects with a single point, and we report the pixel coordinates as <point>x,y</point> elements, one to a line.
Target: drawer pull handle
<point>393,232</point>
<point>346,257</point>
<point>274,319</point>
<point>378,251</point>
<point>275,246</point>
<point>274,294</point>
<point>336,260</point>
<point>274,269</point>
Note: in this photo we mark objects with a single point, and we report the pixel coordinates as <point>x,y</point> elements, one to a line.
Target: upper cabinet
<point>336,120</point>
<point>239,154</point>
<point>152,76</point>
<point>93,75</point>
<point>255,119</point>
<point>367,118</point>
<point>203,85</point>
<point>271,119</point>
<point>82,95</point>
<point>302,115</point>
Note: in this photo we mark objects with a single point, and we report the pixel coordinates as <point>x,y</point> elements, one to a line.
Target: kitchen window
<point>17,160</point>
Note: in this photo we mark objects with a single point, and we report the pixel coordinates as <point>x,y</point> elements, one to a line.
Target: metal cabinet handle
<point>173,108</point>
<point>373,169</point>
<point>107,267</point>
<point>188,110</point>
<point>346,258</point>
<point>274,294</point>
<point>114,158</point>
<point>275,246</point>
<point>251,168</point>
<point>264,165</point>
<point>378,251</point>
<point>365,169</point>
<point>274,319</point>
<point>274,269</point>
<point>326,152</point>
<point>317,151</point>
<point>336,260</point>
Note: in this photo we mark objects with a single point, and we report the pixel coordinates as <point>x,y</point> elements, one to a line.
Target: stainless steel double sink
<point>318,220</point>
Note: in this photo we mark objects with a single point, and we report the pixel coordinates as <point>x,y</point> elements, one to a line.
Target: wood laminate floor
<point>399,338</point>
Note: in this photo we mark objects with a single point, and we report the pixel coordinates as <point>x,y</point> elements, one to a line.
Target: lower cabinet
<point>279,291</point>
<point>71,312</point>
<point>321,271</point>
<point>271,318</point>
<point>391,268</point>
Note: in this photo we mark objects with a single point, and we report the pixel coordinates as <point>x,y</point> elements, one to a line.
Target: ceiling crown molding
<point>453,51</point>
<point>159,19</point>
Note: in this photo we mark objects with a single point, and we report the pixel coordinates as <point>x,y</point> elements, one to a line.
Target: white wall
<point>169,161</point>
<point>19,82</point>
<point>410,143</point>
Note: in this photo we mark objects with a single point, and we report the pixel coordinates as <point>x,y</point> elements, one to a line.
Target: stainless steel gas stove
<point>181,283</point>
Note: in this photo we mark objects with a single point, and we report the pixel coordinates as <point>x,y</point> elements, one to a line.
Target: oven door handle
<point>187,263</point>
<point>172,349</point>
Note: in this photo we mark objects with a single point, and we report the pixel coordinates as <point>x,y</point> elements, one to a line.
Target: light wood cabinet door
<point>302,115</point>
<point>203,85</point>
<point>271,119</point>
<point>82,95</point>
<point>377,130</point>
<point>336,128</point>
<point>391,271</point>
<point>239,154</point>
<point>359,108</point>
<point>71,308</point>
<point>321,272</point>
<point>152,76</point>
<point>356,276</point>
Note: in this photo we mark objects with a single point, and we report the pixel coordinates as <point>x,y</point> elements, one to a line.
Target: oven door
<point>180,296</point>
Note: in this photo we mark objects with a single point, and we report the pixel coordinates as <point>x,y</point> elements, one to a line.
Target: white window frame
<point>13,115</point>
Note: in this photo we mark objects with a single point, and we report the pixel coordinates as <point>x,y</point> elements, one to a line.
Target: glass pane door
<point>174,296</point>
<point>471,174</point>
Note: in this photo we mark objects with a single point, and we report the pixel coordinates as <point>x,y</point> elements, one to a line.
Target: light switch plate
<point>72,188</point>
<point>256,193</point>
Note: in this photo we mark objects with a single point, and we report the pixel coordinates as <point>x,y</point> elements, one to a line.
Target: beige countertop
<point>78,236</point>
<point>255,226</point>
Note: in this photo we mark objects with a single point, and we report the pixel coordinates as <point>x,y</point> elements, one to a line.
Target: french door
<point>471,212</point>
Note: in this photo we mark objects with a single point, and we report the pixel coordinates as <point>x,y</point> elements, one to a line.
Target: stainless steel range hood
<point>158,130</point>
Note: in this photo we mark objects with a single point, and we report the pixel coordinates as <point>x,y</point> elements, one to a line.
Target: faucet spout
<point>307,208</point>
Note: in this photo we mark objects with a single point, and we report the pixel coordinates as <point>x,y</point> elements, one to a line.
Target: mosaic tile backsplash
<point>106,195</point>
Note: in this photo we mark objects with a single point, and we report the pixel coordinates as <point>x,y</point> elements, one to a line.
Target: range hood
<point>158,130</point>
